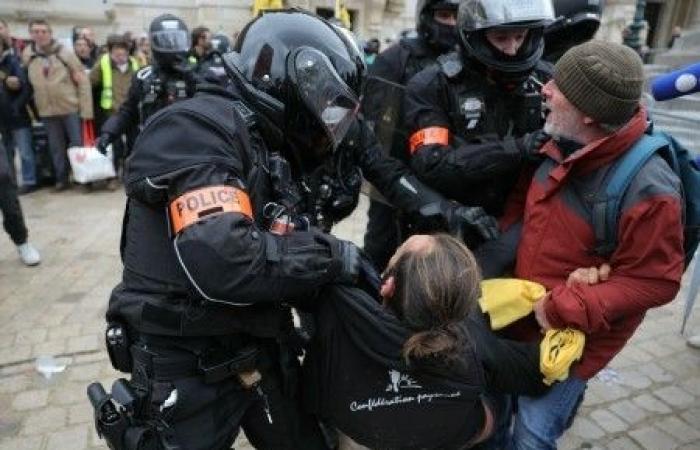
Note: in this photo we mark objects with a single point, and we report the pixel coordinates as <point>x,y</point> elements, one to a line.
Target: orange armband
<point>193,206</point>
<point>428,136</point>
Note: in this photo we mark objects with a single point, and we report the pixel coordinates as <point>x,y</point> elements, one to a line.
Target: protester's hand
<point>103,142</point>
<point>12,83</point>
<point>589,275</point>
<point>475,218</point>
<point>540,314</point>
<point>531,143</point>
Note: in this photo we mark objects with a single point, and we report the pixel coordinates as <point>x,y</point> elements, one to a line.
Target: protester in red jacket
<point>594,118</point>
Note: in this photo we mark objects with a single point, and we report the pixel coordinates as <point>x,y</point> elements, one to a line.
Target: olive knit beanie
<point>603,80</point>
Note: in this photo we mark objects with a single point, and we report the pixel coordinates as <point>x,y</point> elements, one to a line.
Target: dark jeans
<point>22,139</point>
<point>12,218</point>
<point>58,128</point>
<point>382,234</point>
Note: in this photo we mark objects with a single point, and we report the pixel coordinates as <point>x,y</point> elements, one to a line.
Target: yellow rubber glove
<point>506,300</point>
<point>558,350</point>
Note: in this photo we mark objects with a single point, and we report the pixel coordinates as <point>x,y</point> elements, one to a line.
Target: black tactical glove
<point>530,145</point>
<point>350,258</point>
<point>458,220</point>
<point>103,142</point>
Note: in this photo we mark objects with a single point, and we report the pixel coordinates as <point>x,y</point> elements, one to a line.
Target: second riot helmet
<point>221,43</point>
<point>170,41</point>
<point>303,76</point>
<point>576,21</point>
<point>440,35</point>
<point>476,17</point>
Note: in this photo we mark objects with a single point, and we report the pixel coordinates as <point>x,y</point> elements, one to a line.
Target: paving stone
<point>608,421</point>
<point>83,343</point>
<point>657,373</point>
<point>70,393</point>
<point>652,438</point>
<point>30,399</point>
<point>586,429</point>
<point>628,411</point>
<point>622,443</point>
<point>692,417</point>
<point>675,396</point>
<point>85,372</point>
<point>52,347</point>
<point>15,383</point>
<point>651,404</point>
<point>23,443</point>
<point>610,391</point>
<point>32,336</point>
<point>65,331</point>
<point>692,385</point>
<point>76,437</point>
<point>80,413</point>
<point>635,380</point>
<point>679,429</point>
<point>15,353</point>
<point>52,418</point>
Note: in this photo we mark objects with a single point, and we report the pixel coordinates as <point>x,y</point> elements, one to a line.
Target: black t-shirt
<point>362,386</point>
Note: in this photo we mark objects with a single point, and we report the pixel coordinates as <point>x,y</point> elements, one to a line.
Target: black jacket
<point>358,381</point>
<point>13,104</point>
<point>226,272</point>
<point>481,161</point>
<point>151,90</point>
<point>382,102</point>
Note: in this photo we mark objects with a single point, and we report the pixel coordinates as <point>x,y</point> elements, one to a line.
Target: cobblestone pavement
<point>648,399</point>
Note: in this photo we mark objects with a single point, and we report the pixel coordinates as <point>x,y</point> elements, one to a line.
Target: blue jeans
<point>540,421</point>
<point>22,138</point>
<point>57,128</point>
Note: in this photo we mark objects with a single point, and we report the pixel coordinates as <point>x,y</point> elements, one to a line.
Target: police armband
<point>193,206</point>
<point>429,136</point>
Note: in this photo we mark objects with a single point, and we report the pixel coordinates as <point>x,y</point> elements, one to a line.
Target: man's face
<point>445,17</point>
<point>41,34</point>
<point>507,40</point>
<point>81,48</point>
<point>119,55</point>
<point>564,119</point>
<point>88,34</point>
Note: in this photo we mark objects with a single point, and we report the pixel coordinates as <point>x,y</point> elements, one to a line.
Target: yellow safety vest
<point>106,67</point>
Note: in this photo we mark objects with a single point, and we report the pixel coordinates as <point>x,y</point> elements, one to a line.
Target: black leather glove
<point>350,258</point>
<point>530,145</point>
<point>458,220</point>
<point>103,142</point>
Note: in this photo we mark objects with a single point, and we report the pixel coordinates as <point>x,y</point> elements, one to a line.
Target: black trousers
<point>382,235</point>
<point>12,218</point>
<point>209,416</point>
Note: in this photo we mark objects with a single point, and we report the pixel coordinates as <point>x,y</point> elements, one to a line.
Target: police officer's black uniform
<point>473,115</point>
<point>218,238</point>
<point>154,87</point>
<point>382,105</point>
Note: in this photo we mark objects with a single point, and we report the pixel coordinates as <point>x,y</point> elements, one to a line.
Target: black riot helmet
<point>221,43</point>
<point>302,76</point>
<point>576,21</point>
<point>476,17</point>
<point>443,37</point>
<point>170,41</point>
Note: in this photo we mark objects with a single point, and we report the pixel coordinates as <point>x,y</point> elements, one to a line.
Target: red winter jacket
<point>558,237</point>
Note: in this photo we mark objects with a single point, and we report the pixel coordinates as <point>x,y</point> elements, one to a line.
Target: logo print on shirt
<point>398,381</point>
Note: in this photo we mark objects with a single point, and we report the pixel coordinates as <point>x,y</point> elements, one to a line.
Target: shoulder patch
<point>144,73</point>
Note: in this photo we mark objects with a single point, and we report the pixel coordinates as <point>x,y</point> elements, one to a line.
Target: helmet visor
<point>170,41</point>
<point>480,14</point>
<point>325,95</point>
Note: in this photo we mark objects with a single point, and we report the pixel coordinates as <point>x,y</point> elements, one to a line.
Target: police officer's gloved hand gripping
<point>103,142</point>
<point>460,219</point>
<point>530,145</point>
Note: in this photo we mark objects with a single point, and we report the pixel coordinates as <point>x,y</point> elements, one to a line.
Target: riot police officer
<point>476,115</point>
<point>224,192</point>
<point>211,66</point>
<point>382,106</point>
<point>576,21</point>
<point>154,87</point>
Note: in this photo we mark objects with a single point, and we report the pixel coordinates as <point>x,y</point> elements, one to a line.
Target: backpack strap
<point>607,204</point>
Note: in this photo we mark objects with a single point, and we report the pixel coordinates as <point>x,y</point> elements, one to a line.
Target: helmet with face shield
<point>576,21</point>
<point>302,76</point>
<point>476,17</point>
<point>170,41</point>
<point>440,35</point>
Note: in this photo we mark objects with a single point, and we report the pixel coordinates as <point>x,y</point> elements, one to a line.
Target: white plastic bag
<point>90,165</point>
